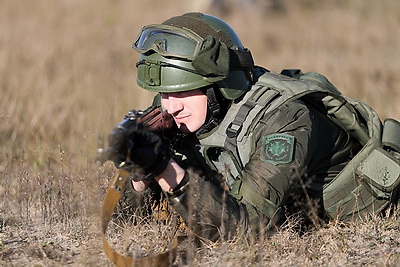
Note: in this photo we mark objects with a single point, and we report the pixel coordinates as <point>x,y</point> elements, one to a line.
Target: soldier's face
<point>189,109</point>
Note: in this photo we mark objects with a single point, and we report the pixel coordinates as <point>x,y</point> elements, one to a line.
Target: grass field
<point>67,76</point>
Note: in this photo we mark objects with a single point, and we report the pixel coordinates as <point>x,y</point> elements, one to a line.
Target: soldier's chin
<point>184,128</point>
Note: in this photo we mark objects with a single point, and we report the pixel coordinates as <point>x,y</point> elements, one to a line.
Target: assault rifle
<point>152,119</point>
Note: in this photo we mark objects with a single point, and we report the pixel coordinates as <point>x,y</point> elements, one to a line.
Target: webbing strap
<point>258,98</point>
<point>114,192</point>
<point>237,122</point>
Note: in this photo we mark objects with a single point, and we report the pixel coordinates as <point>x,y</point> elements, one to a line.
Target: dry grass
<point>67,76</point>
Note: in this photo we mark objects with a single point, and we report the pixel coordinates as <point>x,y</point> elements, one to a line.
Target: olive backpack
<point>363,187</point>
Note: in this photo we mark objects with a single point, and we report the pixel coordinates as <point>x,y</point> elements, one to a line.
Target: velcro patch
<point>278,148</point>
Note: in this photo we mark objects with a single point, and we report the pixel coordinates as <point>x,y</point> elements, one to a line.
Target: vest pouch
<point>380,170</point>
<point>363,187</point>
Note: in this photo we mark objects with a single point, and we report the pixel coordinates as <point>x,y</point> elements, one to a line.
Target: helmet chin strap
<point>216,109</point>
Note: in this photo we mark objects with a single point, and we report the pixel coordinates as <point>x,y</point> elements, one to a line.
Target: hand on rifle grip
<point>133,143</point>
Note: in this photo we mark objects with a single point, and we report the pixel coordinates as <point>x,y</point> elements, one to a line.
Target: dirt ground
<point>373,242</point>
<point>34,245</point>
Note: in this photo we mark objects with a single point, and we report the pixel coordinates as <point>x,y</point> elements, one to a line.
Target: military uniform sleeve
<point>280,161</point>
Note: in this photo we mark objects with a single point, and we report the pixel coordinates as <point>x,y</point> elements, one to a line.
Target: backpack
<point>363,187</point>
<point>366,184</point>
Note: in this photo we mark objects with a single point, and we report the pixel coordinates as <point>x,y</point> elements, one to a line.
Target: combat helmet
<point>192,51</point>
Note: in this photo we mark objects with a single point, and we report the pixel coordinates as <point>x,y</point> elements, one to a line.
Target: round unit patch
<point>278,148</point>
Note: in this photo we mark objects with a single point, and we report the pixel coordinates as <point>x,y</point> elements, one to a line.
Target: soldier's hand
<point>118,147</point>
<point>150,152</point>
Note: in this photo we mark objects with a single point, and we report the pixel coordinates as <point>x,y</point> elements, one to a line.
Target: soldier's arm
<point>300,167</point>
<point>278,165</point>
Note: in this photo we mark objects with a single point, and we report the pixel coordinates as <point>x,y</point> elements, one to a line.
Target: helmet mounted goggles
<point>168,41</point>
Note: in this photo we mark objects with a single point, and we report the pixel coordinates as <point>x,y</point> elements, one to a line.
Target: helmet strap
<point>217,107</point>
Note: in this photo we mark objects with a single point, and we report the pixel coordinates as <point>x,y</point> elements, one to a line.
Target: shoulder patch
<point>278,148</point>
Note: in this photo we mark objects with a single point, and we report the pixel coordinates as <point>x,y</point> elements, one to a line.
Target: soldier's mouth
<point>182,118</point>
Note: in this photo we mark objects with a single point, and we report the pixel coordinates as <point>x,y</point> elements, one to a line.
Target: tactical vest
<point>363,187</point>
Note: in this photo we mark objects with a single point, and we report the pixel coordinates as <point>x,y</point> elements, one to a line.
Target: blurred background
<point>67,76</point>
<point>67,70</point>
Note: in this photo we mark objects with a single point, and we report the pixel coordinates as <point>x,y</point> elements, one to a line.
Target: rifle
<point>152,119</point>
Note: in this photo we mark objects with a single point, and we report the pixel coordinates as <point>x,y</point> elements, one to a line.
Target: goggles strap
<point>241,59</point>
<point>165,64</point>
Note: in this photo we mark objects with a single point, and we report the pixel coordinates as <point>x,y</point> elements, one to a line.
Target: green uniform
<point>318,151</point>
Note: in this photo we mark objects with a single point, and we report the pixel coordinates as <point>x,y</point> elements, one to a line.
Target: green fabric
<point>212,61</point>
<point>200,24</point>
<point>243,193</point>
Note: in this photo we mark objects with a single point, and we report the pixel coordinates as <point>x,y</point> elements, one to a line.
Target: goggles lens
<point>167,42</point>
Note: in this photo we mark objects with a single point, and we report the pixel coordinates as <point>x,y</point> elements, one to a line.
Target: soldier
<point>250,146</point>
